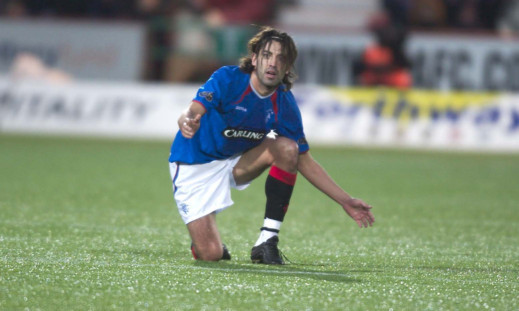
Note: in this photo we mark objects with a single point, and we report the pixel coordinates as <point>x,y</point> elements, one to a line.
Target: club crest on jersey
<point>207,95</point>
<point>269,115</point>
<point>233,133</point>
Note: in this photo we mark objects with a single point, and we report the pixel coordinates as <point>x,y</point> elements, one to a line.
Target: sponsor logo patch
<point>252,135</point>
<point>272,134</point>
<point>207,95</point>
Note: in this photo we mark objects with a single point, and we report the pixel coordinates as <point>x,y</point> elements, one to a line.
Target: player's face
<point>270,68</point>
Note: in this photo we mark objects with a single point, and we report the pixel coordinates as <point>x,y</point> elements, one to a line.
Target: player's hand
<point>189,126</point>
<point>360,212</point>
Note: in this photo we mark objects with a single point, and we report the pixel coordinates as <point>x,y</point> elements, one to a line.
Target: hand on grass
<point>360,212</point>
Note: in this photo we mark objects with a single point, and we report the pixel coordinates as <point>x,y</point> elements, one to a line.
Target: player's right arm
<point>189,120</point>
<point>357,209</point>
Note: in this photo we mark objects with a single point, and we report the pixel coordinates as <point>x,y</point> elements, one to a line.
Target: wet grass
<point>91,224</point>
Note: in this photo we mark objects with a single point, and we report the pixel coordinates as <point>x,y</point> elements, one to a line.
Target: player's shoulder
<point>229,72</point>
<point>286,94</point>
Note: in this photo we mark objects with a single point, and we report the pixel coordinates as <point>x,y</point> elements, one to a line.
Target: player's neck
<point>260,89</point>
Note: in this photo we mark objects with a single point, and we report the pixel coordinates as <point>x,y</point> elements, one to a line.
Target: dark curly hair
<point>262,39</point>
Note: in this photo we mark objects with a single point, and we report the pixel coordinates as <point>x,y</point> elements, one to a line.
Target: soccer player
<point>242,121</point>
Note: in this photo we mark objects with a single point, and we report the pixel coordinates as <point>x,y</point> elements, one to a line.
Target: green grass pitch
<point>90,224</point>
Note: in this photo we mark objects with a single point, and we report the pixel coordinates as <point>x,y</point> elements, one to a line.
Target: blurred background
<point>449,69</point>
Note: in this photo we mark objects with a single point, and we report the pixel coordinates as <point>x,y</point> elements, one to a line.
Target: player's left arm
<point>357,209</point>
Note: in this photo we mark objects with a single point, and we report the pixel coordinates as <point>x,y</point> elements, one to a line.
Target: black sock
<point>278,189</point>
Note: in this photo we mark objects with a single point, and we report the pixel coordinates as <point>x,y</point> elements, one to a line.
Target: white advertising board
<point>416,119</point>
<point>106,109</point>
<point>342,116</point>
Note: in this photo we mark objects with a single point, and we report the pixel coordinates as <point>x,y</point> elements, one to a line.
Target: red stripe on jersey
<point>274,99</point>
<point>283,176</point>
<point>247,92</point>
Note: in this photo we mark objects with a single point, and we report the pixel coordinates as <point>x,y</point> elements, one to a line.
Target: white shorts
<point>201,189</point>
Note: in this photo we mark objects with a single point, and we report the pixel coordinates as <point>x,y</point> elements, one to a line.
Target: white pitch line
<point>287,272</point>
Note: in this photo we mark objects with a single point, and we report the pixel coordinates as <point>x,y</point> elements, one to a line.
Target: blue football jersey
<point>237,119</point>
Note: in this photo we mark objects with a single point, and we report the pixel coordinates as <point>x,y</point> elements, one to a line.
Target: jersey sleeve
<point>211,93</point>
<point>290,123</point>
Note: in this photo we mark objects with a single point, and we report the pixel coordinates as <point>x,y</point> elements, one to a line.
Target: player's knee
<point>287,152</point>
<point>212,252</point>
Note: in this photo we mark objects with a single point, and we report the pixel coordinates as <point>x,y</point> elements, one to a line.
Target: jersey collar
<point>258,94</point>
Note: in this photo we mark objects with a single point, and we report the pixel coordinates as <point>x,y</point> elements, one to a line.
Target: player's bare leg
<point>206,238</point>
<point>281,152</point>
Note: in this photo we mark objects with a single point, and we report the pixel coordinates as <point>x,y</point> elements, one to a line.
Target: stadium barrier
<point>479,121</point>
<point>86,50</point>
<point>439,61</point>
<point>117,51</point>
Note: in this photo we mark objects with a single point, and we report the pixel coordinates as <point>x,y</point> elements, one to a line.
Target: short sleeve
<point>212,91</point>
<point>291,124</point>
